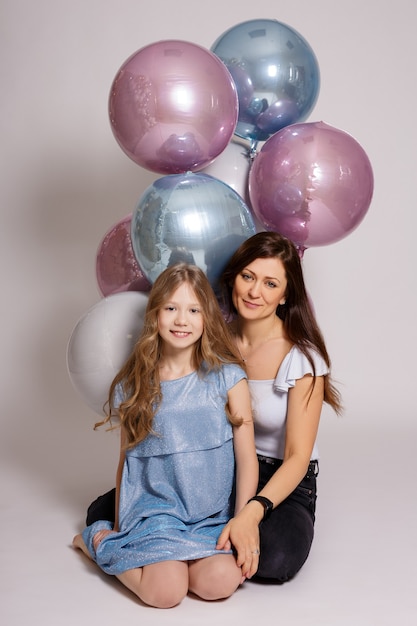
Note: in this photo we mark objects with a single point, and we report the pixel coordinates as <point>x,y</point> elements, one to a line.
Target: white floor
<point>362,569</point>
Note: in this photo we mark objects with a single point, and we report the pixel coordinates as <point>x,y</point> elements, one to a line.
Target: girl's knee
<point>164,585</point>
<point>162,597</point>
<point>216,579</point>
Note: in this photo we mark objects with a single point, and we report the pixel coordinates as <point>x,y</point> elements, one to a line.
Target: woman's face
<point>259,288</point>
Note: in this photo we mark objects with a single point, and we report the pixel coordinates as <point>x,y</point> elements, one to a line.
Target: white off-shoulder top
<point>270,402</point>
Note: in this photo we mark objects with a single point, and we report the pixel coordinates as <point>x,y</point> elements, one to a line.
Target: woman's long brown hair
<point>299,321</point>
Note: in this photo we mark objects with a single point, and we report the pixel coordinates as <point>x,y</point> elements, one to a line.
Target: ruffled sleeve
<point>296,365</point>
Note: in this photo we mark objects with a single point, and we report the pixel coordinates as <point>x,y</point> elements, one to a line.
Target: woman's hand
<point>242,532</point>
<point>99,536</point>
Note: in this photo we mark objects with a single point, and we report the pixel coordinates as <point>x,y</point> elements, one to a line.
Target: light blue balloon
<point>189,217</point>
<point>276,74</point>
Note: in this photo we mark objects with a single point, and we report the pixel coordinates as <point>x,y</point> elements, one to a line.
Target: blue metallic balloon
<point>189,217</point>
<point>276,75</point>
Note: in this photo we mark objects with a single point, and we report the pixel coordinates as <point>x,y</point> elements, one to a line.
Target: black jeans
<point>285,537</point>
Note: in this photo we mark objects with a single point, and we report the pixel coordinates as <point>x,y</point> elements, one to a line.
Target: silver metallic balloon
<point>190,217</point>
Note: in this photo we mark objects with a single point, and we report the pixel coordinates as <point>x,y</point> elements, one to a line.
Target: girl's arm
<point>119,476</point>
<point>245,540</point>
<point>101,534</point>
<point>247,468</point>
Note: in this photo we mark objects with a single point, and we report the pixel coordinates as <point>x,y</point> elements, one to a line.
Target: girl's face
<point>180,320</point>
<point>259,288</point>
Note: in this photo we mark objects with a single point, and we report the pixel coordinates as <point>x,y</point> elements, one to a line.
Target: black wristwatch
<point>266,503</point>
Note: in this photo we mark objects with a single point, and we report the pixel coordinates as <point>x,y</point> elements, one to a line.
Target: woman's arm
<point>303,416</point>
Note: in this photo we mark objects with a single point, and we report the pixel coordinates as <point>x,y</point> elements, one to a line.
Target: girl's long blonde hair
<point>139,376</point>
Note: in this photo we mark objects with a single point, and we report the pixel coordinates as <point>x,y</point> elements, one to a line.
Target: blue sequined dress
<point>175,492</point>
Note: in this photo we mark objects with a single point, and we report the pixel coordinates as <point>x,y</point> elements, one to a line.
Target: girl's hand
<point>242,532</point>
<point>99,536</point>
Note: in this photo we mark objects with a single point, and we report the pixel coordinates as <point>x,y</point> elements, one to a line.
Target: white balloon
<point>232,167</point>
<point>100,343</point>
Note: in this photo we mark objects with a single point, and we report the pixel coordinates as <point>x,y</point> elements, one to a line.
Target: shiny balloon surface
<point>173,107</point>
<point>100,343</point>
<point>276,74</point>
<point>117,268</point>
<point>311,182</point>
<point>232,167</point>
<point>191,217</point>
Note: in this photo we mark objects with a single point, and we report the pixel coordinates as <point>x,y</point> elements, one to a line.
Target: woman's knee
<point>285,543</point>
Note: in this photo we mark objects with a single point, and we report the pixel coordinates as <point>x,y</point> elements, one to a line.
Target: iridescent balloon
<point>116,266</point>
<point>276,74</point>
<point>173,107</point>
<point>100,343</point>
<point>190,217</point>
<point>311,182</point>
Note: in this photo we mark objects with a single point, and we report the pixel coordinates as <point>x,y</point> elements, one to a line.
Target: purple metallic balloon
<point>117,269</point>
<point>173,107</point>
<point>311,182</point>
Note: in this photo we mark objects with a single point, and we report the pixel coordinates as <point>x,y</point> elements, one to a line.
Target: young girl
<point>186,439</point>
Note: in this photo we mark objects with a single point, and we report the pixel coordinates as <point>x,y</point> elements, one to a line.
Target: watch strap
<point>266,503</point>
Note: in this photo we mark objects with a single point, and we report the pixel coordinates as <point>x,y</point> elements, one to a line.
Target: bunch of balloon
<point>311,182</point>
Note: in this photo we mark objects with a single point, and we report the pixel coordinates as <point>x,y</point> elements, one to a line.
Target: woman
<point>288,368</point>
<point>288,371</point>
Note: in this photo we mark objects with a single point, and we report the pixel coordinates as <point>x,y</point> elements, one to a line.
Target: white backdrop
<point>65,181</point>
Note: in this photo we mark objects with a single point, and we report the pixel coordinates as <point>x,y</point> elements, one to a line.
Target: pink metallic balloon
<point>117,269</point>
<point>173,107</point>
<point>311,182</point>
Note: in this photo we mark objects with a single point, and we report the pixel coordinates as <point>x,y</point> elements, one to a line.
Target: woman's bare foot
<point>79,543</point>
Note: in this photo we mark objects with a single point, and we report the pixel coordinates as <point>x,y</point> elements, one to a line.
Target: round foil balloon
<point>311,182</point>
<point>116,266</point>
<point>173,107</point>
<point>276,75</point>
<point>232,167</point>
<point>100,343</point>
<point>194,218</point>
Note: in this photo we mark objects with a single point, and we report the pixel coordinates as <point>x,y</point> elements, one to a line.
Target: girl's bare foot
<point>78,542</point>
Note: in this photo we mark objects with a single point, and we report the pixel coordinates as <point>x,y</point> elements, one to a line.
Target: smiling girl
<point>186,439</point>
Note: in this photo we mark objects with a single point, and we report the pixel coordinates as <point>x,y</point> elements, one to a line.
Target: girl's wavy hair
<point>139,377</point>
<point>300,324</point>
